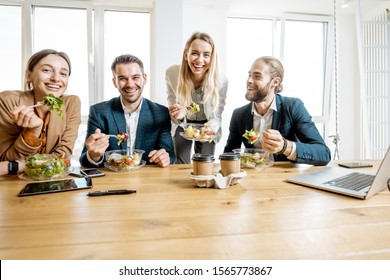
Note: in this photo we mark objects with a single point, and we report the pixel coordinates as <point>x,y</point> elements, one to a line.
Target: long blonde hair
<point>211,80</point>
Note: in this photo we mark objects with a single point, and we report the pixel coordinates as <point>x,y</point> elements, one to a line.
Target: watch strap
<point>13,167</point>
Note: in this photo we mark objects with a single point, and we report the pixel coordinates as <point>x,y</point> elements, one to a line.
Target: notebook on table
<point>347,182</point>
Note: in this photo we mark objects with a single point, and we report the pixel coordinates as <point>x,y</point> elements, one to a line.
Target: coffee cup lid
<point>203,157</point>
<point>229,156</point>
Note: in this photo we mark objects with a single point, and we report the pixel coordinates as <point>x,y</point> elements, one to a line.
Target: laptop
<point>347,182</point>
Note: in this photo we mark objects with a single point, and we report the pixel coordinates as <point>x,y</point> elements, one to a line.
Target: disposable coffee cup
<point>230,163</point>
<point>203,164</point>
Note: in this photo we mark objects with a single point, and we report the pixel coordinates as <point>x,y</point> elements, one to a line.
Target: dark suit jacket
<point>153,130</point>
<point>293,122</point>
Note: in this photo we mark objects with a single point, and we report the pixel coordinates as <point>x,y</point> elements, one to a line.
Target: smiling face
<point>130,83</point>
<point>198,57</point>
<point>49,75</point>
<point>260,84</point>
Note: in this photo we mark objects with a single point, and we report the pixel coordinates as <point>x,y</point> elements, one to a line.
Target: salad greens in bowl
<point>46,166</point>
<point>254,158</point>
<point>124,160</point>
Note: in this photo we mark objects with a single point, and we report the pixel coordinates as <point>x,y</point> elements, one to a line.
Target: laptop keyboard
<point>353,181</point>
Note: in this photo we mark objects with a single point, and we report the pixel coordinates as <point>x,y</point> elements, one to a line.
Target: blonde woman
<point>196,81</point>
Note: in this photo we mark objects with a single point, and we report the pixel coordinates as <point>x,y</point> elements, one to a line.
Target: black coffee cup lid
<point>229,156</point>
<point>203,157</point>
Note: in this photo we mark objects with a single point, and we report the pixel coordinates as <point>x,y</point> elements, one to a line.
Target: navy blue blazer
<point>293,122</point>
<point>153,130</point>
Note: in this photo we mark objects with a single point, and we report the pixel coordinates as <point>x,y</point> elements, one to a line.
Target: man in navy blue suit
<point>147,124</point>
<point>284,127</point>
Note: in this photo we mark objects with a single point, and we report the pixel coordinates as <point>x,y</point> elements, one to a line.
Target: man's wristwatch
<point>13,167</point>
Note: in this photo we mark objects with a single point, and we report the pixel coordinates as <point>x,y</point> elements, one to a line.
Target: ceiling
<point>263,7</point>
<point>276,7</point>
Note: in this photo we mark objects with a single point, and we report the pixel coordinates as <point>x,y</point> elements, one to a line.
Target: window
<point>10,56</point>
<point>91,35</point>
<point>302,44</point>
<point>70,29</point>
<point>125,33</point>
<point>242,49</point>
<point>306,61</point>
<point>69,36</point>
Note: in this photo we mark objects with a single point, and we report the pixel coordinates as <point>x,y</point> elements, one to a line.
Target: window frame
<point>278,43</point>
<point>95,37</point>
<point>98,56</point>
<point>18,4</point>
<point>323,119</point>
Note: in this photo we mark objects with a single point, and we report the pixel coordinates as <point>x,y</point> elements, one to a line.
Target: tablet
<point>56,186</point>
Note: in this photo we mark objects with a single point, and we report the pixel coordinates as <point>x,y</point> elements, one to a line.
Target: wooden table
<point>168,218</point>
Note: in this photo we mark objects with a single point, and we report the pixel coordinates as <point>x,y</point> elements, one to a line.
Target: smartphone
<point>92,172</point>
<point>355,165</point>
<point>56,186</point>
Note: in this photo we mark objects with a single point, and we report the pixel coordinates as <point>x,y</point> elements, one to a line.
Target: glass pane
<point>65,30</point>
<point>242,50</point>
<point>304,63</point>
<point>125,33</point>
<point>10,55</point>
<point>247,39</point>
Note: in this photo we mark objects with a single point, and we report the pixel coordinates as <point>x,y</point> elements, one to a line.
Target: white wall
<point>348,89</point>
<point>167,38</point>
<point>210,19</point>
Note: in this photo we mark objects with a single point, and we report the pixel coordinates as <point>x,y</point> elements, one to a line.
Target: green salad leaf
<point>54,103</point>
